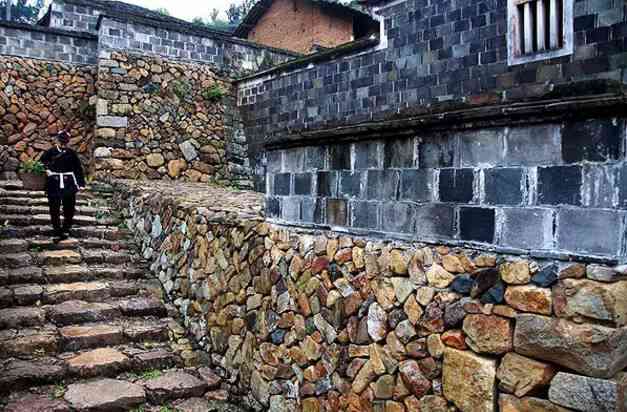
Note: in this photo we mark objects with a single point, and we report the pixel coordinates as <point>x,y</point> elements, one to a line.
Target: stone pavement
<point>82,326</point>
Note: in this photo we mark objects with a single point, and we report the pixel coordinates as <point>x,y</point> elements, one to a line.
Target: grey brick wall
<point>438,52</point>
<point>45,43</point>
<point>555,189</point>
<point>232,56</point>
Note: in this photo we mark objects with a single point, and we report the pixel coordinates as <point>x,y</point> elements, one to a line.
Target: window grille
<point>539,29</point>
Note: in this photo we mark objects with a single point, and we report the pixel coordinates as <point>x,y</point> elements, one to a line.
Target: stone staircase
<point>82,326</point>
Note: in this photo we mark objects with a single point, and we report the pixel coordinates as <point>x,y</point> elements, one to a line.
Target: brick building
<point>304,26</point>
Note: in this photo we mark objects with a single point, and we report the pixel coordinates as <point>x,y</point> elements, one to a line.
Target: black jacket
<point>64,161</point>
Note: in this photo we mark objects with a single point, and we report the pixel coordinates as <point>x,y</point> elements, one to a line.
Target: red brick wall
<point>297,25</point>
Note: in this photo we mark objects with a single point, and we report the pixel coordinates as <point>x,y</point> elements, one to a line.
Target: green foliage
<point>138,409</point>
<point>163,10</point>
<point>180,88</point>
<point>87,111</point>
<point>59,390</point>
<point>33,166</point>
<point>146,375</point>
<point>213,94</point>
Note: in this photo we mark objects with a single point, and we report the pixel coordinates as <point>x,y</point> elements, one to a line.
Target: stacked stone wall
<point>319,321</point>
<point>157,119</point>
<point>39,98</point>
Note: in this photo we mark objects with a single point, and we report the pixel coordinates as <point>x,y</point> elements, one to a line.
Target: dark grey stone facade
<point>521,189</point>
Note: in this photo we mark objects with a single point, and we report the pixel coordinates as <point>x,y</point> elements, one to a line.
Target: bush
<point>213,94</point>
<point>33,166</point>
<point>181,89</point>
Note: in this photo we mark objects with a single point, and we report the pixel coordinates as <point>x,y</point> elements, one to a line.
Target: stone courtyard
<point>433,219</point>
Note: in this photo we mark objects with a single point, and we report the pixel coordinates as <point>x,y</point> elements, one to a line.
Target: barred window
<point>539,29</point>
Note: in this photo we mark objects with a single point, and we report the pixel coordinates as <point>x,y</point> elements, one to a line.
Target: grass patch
<point>59,390</point>
<point>146,375</point>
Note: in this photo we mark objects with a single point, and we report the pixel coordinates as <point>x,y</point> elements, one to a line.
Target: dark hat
<point>62,136</point>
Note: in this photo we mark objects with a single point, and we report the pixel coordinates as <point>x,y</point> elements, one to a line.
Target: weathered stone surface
<point>469,380</point>
<point>98,361</point>
<point>488,334</point>
<point>523,376</point>
<point>515,272</point>
<point>589,349</point>
<point>438,277</point>
<point>365,375</point>
<point>529,298</point>
<point>174,385</point>
<point>377,322</point>
<point>37,403</point>
<point>413,378</point>
<point>581,299</point>
<point>587,394</point>
<point>510,403</point>
<point>105,394</point>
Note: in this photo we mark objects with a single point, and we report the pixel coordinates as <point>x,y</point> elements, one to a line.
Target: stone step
<point>77,312</point>
<point>13,245</point>
<point>16,260</point>
<point>37,202</point>
<point>8,209</point>
<point>69,273</point>
<point>44,219</point>
<point>73,243</point>
<point>34,194</point>
<point>81,232</point>
<point>101,362</point>
<point>49,340</point>
<point>94,291</point>
<point>174,385</point>
<point>59,257</point>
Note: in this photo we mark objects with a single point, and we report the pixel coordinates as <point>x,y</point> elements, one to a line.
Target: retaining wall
<point>310,320</point>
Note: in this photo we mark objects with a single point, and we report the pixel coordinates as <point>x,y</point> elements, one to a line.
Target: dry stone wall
<point>38,99</point>
<point>160,119</point>
<point>317,321</point>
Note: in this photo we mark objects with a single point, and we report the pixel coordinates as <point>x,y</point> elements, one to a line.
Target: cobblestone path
<point>82,326</point>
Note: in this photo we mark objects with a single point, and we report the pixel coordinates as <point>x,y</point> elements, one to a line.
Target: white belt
<point>62,178</point>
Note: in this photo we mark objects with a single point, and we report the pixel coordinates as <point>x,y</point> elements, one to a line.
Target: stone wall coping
<point>218,204</point>
<point>190,29</point>
<point>47,30</point>
<point>447,117</point>
<point>323,56</point>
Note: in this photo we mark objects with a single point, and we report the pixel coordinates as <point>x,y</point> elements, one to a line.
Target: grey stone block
<point>274,161</point>
<point>437,151</point>
<point>435,221</point>
<point>364,215</point>
<point>294,160</point>
<point>350,184</point>
<point>600,185</point>
<point>590,231</point>
<point>315,157</point>
<point>582,393</point>
<point>533,146</point>
<point>559,185</point>
<point>622,186</point>
<point>282,184</point>
<point>302,184</point>
<point>482,148</point>
<point>592,140</point>
<point>527,228</point>
<point>382,184</point>
<point>398,217</point>
<point>456,185</point>
<point>367,155</point>
<point>326,183</point>
<point>340,157</point>
<point>502,186</point>
<point>273,207</point>
<point>417,185</point>
<point>477,224</point>
<point>290,209</point>
<point>112,121</point>
<point>312,210</point>
<point>399,153</point>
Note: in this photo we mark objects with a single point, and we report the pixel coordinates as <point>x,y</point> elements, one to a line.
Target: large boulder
<point>589,349</point>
